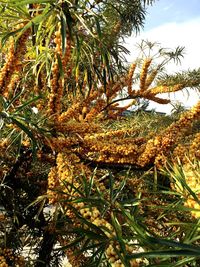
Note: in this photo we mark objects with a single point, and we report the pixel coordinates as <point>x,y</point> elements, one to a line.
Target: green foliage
<point>130,217</point>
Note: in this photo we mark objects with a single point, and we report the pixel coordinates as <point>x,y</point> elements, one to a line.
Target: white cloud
<point>166,8</point>
<point>171,35</point>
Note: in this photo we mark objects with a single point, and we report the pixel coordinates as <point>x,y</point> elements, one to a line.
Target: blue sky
<point>173,23</point>
<point>163,11</point>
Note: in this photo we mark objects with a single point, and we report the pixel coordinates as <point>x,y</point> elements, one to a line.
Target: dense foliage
<point>78,177</point>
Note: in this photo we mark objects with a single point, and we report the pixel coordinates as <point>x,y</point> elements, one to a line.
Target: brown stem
<point>46,248</point>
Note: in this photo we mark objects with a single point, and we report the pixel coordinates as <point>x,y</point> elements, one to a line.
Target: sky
<point>173,23</point>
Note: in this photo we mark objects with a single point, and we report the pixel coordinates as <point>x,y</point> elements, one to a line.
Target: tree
<point>61,73</point>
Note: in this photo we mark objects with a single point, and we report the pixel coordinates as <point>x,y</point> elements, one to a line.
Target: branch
<point>111,165</point>
<point>118,100</point>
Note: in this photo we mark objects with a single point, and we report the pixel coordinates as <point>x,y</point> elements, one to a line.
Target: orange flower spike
<point>180,151</point>
<point>57,41</point>
<point>54,88</point>
<point>66,57</point>
<point>53,183</point>
<point>169,137</point>
<point>151,96</point>
<point>130,77</point>
<point>194,148</point>
<point>143,74</point>
<point>166,89</point>
<point>150,78</point>
<point>57,84</point>
<point>13,61</point>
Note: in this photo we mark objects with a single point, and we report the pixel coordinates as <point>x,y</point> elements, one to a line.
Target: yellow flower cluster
<point>57,41</point>
<point>55,96</point>
<point>110,154</point>
<point>150,78</point>
<point>130,77</point>
<point>54,103</point>
<point>111,134</point>
<point>57,82</point>
<point>194,148</point>
<point>114,88</point>
<point>160,161</point>
<point>191,203</point>
<point>66,57</point>
<point>15,79</point>
<point>3,262</point>
<point>7,255</point>
<point>162,143</point>
<point>109,147</point>
<point>8,68</point>
<point>13,63</point>
<point>81,128</point>
<point>91,107</point>
<point>143,74</point>
<point>152,148</point>
<point>94,112</point>
<point>71,113</point>
<point>67,170</point>
<point>93,215</point>
<point>166,89</point>
<point>4,143</point>
<point>148,95</point>
<point>180,152</point>
<point>114,259</point>
<point>53,183</point>
<point>59,144</point>
<point>115,110</point>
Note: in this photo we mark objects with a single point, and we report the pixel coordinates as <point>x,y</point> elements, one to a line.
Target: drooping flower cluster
<point>10,72</point>
<point>163,143</point>
<point>61,69</point>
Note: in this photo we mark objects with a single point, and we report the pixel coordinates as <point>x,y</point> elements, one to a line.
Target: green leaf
<point>63,32</point>
<point>90,234</point>
<point>29,134</point>
<point>13,99</point>
<point>164,254</point>
<point>119,190</point>
<point>33,100</point>
<point>27,2</point>
<point>118,232</point>
<point>82,21</point>
<point>96,257</point>
<point>61,72</point>
<point>172,243</point>
<point>75,242</point>
<point>6,36</point>
<point>98,28</point>
<point>3,102</point>
<point>178,263</point>
<point>111,186</point>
